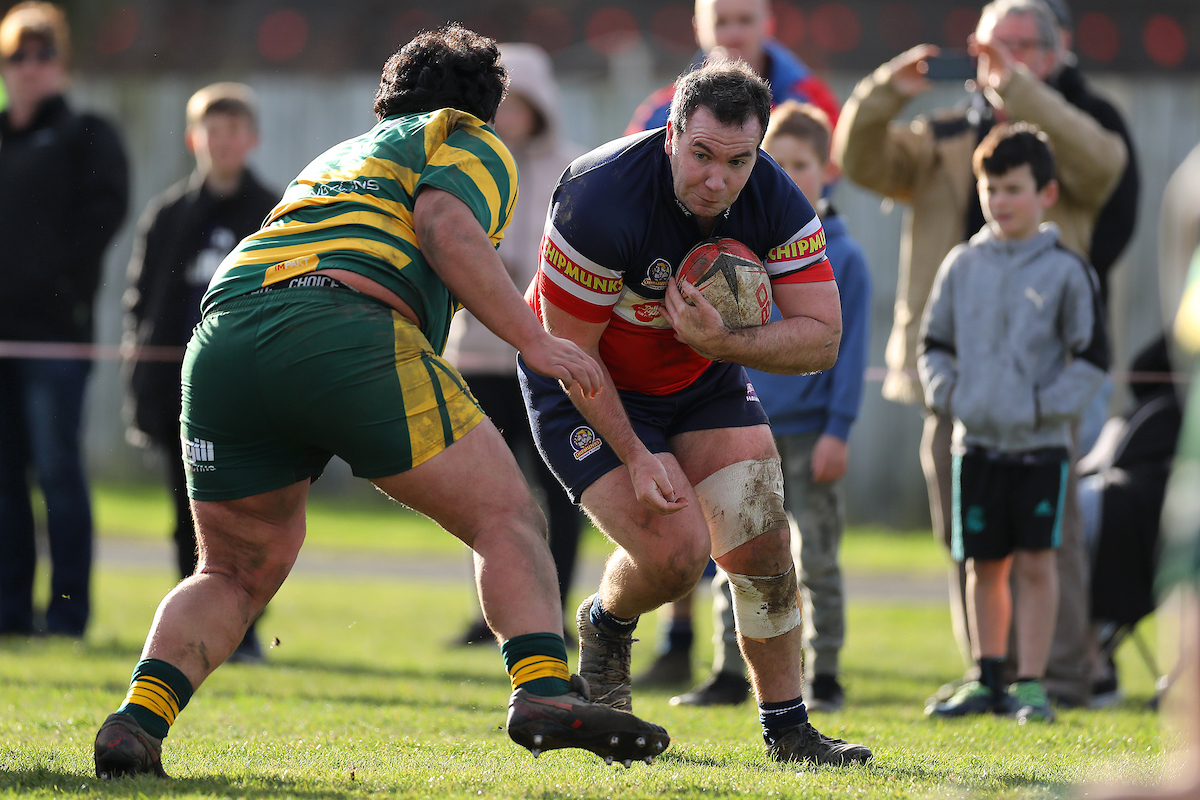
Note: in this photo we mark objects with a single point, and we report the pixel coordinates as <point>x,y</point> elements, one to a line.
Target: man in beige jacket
<point>927,165</point>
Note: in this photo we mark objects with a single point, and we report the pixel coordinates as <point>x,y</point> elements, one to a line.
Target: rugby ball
<point>732,278</point>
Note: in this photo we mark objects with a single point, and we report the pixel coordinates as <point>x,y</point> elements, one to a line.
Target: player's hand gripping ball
<point>732,278</point>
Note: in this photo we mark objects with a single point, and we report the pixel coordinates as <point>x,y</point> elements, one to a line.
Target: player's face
<point>1012,203</point>
<point>737,27</point>
<point>711,162</point>
<point>221,143</point>
<point>800,161</point>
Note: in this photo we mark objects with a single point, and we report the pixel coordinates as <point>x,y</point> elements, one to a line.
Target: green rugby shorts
<point>276,384</point>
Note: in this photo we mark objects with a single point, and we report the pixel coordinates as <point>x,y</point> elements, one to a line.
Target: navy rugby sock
<point>778,717</point>
<point>606,621</point>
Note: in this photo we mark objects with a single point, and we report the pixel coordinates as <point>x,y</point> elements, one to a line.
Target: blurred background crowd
<point>315,67</point>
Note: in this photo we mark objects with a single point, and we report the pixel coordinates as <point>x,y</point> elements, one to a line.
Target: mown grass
<point>366,521</point>
<point>361,698</point>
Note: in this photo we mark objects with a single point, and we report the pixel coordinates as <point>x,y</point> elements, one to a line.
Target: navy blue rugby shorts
<point>722,397</point>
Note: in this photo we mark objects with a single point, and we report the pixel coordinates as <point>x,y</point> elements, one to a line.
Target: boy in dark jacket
<point>1013,348</point>
<point>184,234</point>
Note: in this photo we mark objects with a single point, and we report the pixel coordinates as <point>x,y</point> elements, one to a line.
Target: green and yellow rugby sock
<point>537,662</point>
<point>157,693</point>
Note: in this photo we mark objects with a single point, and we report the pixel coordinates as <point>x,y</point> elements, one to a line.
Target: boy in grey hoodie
<point>1013,347</point>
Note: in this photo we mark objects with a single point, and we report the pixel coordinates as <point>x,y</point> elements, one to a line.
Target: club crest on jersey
<point>751,395</point>
<point>584,442</point>
<point>657,275</point>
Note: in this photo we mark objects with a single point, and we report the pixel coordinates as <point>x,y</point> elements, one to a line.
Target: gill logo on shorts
<point>751,395</point>
<point>584,442</point>
<point>974,519</point>
<point>198,454</point>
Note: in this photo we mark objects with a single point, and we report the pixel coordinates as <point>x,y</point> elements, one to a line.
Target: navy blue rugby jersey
<point>615,232</point>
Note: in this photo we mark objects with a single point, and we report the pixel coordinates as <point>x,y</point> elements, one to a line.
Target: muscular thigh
<point>701,453</point>
<point>469,487</point>
<point>614,508</point>
<point>255,539</point>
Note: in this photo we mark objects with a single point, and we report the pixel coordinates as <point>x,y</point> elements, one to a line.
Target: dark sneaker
<point>805,743</point>
<point>124,748</point>
<point>604,661</point>
<point>825,694</point>
<point>672,668</point>
<point>573,720</point>
<point>718,689</point>
<point>1030,701</point>
<point>972,698</point>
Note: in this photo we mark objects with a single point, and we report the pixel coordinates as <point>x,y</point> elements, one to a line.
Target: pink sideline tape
<point>114,352</point>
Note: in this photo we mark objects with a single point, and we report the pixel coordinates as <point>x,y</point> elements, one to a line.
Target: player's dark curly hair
<point>731,90</point>
<point>1007,147</point>
<point>450,67</point>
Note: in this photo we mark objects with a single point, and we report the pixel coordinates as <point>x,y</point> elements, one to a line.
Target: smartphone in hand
<point>950,65</point>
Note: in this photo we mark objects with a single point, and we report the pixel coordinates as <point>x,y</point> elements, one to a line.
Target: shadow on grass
<point>343,670</point>
<point>969,783</point>
<point>333,680</point>
<point>44,780</point>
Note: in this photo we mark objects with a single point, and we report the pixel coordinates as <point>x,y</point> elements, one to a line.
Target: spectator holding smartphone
<point>927,165</point>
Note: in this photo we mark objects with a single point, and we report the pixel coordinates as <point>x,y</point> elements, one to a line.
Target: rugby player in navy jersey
<point>674,459</point>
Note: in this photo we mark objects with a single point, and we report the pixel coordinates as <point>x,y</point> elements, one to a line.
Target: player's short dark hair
<point>1007,147</point>
<point>450,67</point>
<point>731,90</point>
<point>802,121</point>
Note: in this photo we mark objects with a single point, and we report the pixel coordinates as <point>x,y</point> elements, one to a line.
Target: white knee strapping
<point>742,501</point>
<point>765,606</point>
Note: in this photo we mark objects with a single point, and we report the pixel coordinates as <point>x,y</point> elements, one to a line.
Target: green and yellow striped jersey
<point>352,209</point>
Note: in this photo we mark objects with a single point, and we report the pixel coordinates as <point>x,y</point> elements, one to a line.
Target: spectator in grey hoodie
<point>1013,348</point>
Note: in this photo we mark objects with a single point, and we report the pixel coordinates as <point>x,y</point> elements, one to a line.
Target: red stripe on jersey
<point>820,271</point>
<point>648,360</point>
<point>568,302</point>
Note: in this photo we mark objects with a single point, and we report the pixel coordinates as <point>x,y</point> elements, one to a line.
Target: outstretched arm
<point>607,415</point>
<point>461,254</point>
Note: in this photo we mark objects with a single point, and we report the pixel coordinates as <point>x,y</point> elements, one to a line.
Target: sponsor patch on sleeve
<point>573,282</point>
<point>806,248</point>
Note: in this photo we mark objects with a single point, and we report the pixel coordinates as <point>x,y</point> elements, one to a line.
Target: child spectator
<point>1013,348</point>
<point>811,416</point>
<point>184,234</point>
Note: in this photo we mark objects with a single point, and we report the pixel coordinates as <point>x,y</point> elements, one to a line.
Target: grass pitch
<point>362,698</point>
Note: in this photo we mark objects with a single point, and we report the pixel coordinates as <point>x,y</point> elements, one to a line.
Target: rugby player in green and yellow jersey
<point>322,336</point>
